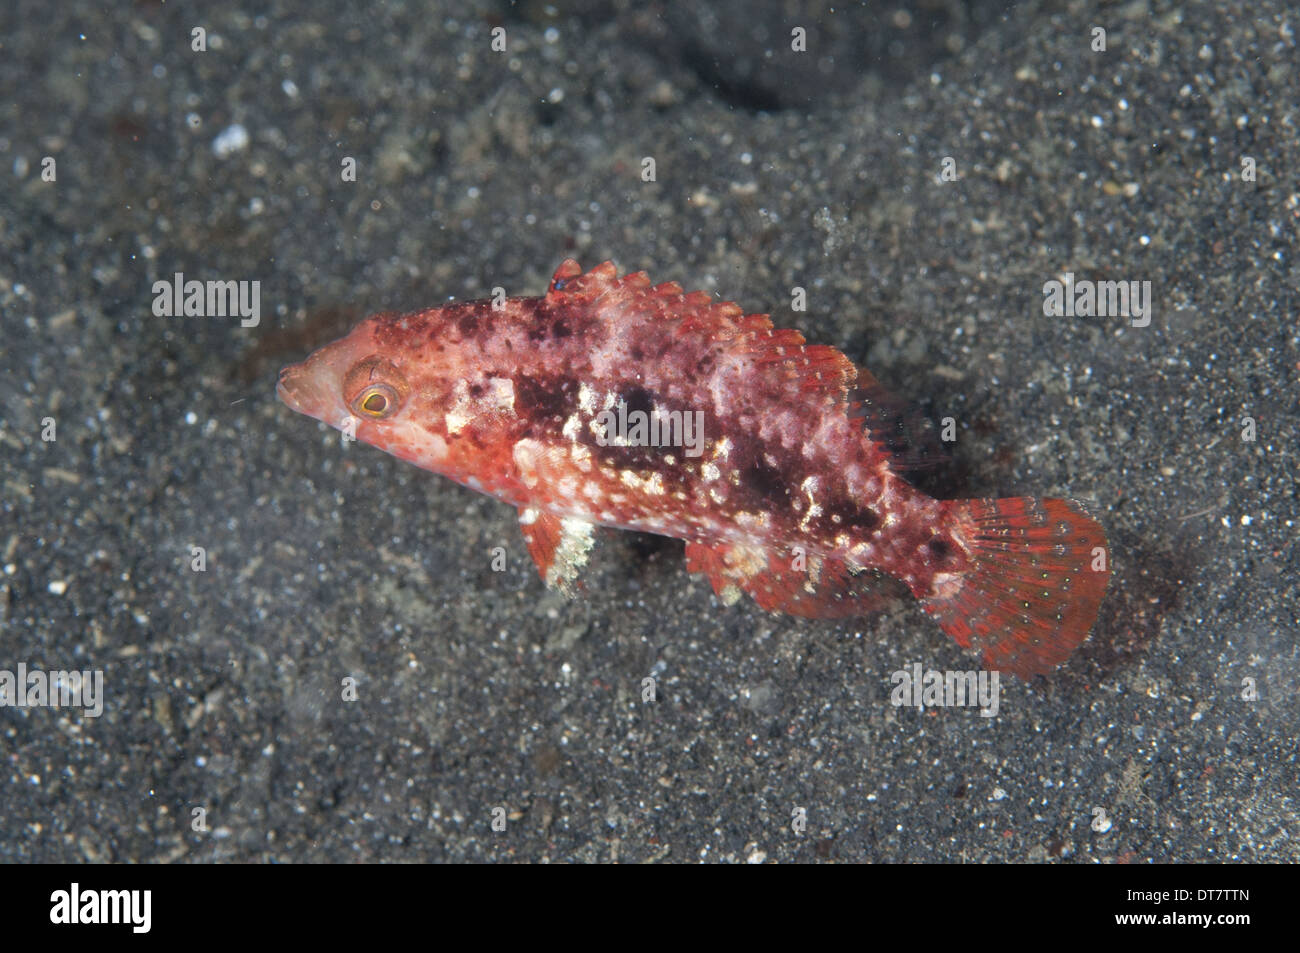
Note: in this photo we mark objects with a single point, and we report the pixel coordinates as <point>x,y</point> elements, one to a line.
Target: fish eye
<point>376,401</point>
<point>374,389</point>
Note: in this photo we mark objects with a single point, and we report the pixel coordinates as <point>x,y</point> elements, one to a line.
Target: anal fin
<point>802,584</point>
<point>559,545</point>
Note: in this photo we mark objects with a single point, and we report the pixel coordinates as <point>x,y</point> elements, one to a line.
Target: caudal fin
<point>1040,570</point>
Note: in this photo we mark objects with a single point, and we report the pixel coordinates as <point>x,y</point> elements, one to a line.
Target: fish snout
<point>284,386</point>
<point>298,388</point>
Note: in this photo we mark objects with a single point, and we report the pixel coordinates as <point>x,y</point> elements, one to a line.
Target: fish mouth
<point>281,390</point>
<point>298,390</point>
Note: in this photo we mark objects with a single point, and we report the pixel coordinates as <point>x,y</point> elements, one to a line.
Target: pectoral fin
<point>559,545</point>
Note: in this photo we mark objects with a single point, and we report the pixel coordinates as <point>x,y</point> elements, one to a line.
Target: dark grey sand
<point>479,690</point>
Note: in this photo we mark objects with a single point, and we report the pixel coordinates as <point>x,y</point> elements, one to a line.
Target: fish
<point>613,402</point>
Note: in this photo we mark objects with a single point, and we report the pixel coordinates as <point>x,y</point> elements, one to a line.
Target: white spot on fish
<point>526,453</point>
<point>581,457</point>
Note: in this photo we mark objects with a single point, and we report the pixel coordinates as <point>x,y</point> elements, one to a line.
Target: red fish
<point>614,402</point>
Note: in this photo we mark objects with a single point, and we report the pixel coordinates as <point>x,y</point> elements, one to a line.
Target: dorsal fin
<point>570,282</point>
<point>813,369</point>
<point>895,426</point>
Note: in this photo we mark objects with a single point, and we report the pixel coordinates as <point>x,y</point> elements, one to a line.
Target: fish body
<point>614,402</point>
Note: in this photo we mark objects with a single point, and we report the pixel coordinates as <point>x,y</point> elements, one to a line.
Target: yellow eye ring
<point>376,401</point>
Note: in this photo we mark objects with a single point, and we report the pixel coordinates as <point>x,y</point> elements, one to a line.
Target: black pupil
<point>375,404</point>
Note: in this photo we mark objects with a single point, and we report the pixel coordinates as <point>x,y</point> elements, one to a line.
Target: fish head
<point>378,385</point>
